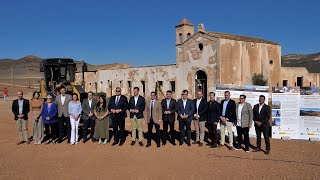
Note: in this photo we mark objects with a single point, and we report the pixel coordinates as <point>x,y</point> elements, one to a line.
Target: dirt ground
<point>288,159</point>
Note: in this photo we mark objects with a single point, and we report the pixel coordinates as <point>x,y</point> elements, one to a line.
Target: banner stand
<point>314,139</point>
<point>286,138</point>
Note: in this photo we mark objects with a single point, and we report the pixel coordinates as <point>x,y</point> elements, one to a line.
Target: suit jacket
<point>230,110</point>
<point>263,116</point>
<point>141,105</point>
<point>246,115</point>
<point>86,108</point>
<point>156,113</point>
<point>202,110</point>
<point>173,107</point>
<point>25,110</point>
<point>213,112</point>
<point>188,110</point>
<point>63,109</point>
<point>122,104</point>
<point>52,114</point>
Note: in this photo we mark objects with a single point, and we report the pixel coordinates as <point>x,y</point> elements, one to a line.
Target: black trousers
<point>245,133</point>
<point>157,127</point>
<point>62,128</point>
<point>213,133</point>
<point>86,124</point>
<point>51,131</point>
<point>118,129</point>
<point>185,125</point>
<point>265,131</point>
<point>166,124</point>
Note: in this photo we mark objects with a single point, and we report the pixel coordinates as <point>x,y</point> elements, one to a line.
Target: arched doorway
<point>201,83</point>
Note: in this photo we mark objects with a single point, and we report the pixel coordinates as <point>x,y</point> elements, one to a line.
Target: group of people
<point>64,114</point>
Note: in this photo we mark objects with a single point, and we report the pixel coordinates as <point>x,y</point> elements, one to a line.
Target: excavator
<point>60,72</point>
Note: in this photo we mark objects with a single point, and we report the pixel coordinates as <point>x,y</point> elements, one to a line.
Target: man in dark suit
<point>185,115</point>
<point>227,119</point>
<point>117,107</point>
<point>261,117</point>
<point>169,108</point>
<point>200,117</point>
<point>213,116</point>
<point>136,107</point>
<point>20,109</point>
<point>88,117</point>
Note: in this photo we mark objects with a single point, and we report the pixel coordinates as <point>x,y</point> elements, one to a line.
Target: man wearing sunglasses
<point>186,109</point>
<point>117,107</point>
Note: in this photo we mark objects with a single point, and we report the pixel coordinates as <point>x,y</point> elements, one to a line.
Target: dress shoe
<point>84,140</point>
<point>200,144</point>
<point>68,142</point>
<point>140,143</point>
<point>267,153</point>
<point>158,145</point>
<point>121,143</point>
<point>174,143</point>
<point>188,144</point>
<point>132,143</point>
<point>20,142</point>
<point>148,145</point>
<point>93,141</point>
<point>213,146</point>
<point>256,150</point>
<point>114,143</point>
<point>196,142</point>
<point>180,143</point>
<point>164,143</point>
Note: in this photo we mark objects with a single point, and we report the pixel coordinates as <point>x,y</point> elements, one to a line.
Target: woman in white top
<point>75,109</point>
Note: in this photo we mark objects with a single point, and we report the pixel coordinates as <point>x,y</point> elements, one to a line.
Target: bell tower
<point>184,30</point>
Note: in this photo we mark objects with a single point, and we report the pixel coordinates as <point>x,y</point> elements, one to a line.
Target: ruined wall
<point>191,58</point>
<point>291,74</point>
<point>239,60</point>
<point>90,80</point>
<point>108,80</point>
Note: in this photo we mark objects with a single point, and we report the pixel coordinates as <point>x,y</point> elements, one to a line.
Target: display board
<point>252,93</point>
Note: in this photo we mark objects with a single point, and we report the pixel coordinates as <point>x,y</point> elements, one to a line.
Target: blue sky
<point>143,32</point>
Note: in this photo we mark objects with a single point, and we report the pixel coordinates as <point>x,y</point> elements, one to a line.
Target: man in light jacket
<point>244,122</point>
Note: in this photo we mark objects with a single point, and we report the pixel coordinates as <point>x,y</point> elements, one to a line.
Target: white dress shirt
<point>63,98</point>
<point>198,103</point>
<point>260,107</point>
<point>136,100</point>
<point>151,106</point>
<point>239,114</point>
<point>184,103</point>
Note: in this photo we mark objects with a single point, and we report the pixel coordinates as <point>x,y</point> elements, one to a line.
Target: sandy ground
<point>288,159</point>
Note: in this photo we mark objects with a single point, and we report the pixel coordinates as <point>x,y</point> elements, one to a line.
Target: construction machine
<point>60,72</point>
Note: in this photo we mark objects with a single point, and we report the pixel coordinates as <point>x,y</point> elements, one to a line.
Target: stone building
<point>203,59</point>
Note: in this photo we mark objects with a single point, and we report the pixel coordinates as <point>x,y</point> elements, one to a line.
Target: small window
<point>173,86</point>
<point>200,46</point>
<point>300,81</point>
<point>129,87</point>
<point>285,83</point>
<point>121,84</point>
<point>90,84</point>
<point>143,87</point>
<point>181,38</point>
<point>310,84</point>
<point>188,36</point>
<point>271,62</point>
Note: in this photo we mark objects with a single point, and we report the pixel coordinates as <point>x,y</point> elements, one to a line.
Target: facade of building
<point>203,59</point>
